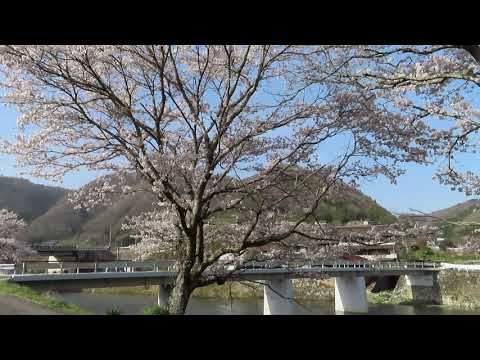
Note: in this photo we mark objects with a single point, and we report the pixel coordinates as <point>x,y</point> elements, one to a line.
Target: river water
<point>134,305</point>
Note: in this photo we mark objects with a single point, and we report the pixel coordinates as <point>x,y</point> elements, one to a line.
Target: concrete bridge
<point>350,284</point>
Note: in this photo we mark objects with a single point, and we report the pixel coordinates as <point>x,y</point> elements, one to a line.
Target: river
<point>134,305</point>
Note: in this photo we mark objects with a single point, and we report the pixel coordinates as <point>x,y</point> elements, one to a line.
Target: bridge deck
<point>140,278</point>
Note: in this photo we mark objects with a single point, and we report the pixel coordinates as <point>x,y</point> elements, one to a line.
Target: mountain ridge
<point>467,211</point>
<point>64,224</point>
<point>27,199</point>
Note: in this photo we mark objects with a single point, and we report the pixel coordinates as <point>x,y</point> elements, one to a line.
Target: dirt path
<point>12,305</point>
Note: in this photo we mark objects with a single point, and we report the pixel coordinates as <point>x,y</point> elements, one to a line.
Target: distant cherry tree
<point>10,248</point>
<point>224,136</point>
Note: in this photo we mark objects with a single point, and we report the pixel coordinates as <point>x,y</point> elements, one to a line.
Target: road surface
<point>12,305</point>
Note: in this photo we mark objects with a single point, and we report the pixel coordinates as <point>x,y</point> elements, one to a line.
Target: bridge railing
<point>32,267</point>
<point>344,264</point>
<point>6,269</point>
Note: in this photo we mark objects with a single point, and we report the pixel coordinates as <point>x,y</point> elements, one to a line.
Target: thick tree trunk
<point>177,304</point>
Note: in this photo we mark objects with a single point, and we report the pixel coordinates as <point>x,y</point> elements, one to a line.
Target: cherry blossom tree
<point>10,248</point>
<point>437,87</point>
<point>224,136</point>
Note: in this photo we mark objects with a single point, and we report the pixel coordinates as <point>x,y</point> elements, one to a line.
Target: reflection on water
<point>134,304</point>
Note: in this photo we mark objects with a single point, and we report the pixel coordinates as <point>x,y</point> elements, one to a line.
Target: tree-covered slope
<point>27,199</point>
<point>468,211</point>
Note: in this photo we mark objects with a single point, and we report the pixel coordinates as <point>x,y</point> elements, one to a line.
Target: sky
<point>414,190</point>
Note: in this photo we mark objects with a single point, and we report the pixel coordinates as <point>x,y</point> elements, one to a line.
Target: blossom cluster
<point>10,248</point>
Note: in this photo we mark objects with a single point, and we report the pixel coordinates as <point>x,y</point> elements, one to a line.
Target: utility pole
<point>110,236</point>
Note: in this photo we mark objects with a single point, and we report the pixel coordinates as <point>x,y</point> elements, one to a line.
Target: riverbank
<point>232,289</point>
<point>304,289</point>
<point>17,299</point>
<point>458,289</point>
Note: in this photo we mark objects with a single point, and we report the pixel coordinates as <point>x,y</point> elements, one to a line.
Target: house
<point>385,251</point>
<point>357,223</point>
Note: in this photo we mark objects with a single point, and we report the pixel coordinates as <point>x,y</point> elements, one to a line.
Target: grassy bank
<point>306,289</point>
<point>459,290</point>
<point>462,301</point>
<point>234,290</point>
<point>455,301</point>
<point>127,290</point>
<point>389,297</point>
<point>428,254</point>
<point>33,296</point>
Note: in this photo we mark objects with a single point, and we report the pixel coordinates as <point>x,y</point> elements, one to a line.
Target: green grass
<point>389,297</point>
<point>127,290</point>
<point>237,291</point>
<point>155,310</point>
<point>33,296</point>
<point>461,300</point>
<point>456,233</point>
<point>427,254</point>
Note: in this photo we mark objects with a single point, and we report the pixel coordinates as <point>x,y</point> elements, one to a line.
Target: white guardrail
<point>135,266</point>
<point>345,264</point>
<point>461,267</point>
<point>7,269</point>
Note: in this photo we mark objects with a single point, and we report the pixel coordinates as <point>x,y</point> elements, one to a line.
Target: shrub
<point>113,311</point>
<point>446,244</point>
<point>421,243</point>
<point>155,310</point>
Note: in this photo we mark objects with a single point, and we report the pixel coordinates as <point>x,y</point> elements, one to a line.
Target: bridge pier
<point>424,288</point>
<point>350,294</point>
<point>164,292</point>
<point>277,297</point>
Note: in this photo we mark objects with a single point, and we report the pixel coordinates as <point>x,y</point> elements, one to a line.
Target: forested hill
<point>468,211</point>
<point>27,199</point>
<point>64,224</point>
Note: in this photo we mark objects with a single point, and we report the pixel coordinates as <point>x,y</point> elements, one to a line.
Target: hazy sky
<point>414,190</point>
